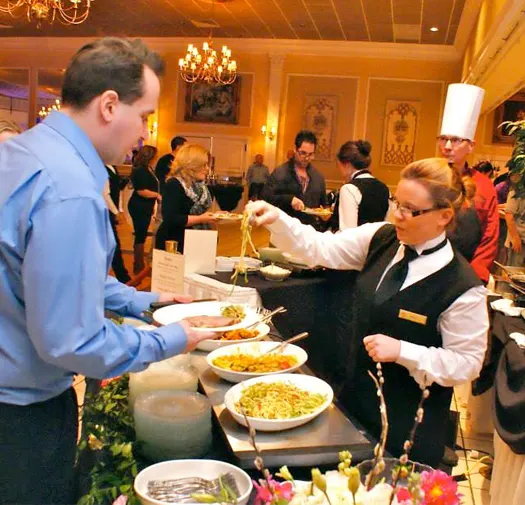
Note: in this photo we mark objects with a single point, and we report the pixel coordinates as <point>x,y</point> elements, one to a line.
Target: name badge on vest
<point>412,316</point>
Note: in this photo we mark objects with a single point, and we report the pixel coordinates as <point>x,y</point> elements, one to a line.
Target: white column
<point>274,103</point>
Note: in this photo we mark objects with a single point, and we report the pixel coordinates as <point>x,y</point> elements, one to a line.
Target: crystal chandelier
<point>208,66</point>
<point>45,111</point>
<point>68,12</point>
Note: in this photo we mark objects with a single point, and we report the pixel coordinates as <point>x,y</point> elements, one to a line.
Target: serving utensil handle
<point>281,346</point>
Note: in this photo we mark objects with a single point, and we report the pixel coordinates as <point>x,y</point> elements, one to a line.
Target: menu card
<point>167,272</point>
<point>200,251</point>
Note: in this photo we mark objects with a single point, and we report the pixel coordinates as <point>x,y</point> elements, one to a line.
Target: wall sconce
<point>153,128</point>
<point>270,133</point>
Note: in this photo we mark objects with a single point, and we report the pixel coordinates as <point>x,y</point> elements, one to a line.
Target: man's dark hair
<point>177,142</point>
<point>106,64</point>
<point>485,167</point>
<point>305,136</point>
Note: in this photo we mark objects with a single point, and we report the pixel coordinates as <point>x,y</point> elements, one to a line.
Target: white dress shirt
<point>349,200</point>
<point>463,326</point>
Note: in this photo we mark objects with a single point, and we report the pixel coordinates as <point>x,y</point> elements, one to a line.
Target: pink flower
<point>121,500</point>
<point>403,494</point>
<point>278,492</point>
<point>439,488</point>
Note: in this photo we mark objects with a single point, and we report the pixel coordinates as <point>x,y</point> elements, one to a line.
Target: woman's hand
<point>263,212</point>
<point>297,204</point>
<point>382,348</point>
<point>208,217</point>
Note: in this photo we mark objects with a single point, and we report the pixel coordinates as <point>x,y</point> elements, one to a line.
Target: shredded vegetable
<point>235,311</point>
<point>255,364</point>
<point>278,400</point>
<point>246,230</point>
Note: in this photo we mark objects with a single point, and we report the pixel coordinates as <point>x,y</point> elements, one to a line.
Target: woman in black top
<point>363,199</point>
<point>142,202</point>
<point>186,198</point>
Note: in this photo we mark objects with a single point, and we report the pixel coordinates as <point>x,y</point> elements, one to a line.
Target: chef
<point>477,239</point>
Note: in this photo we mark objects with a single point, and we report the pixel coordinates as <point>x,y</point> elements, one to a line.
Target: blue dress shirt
<point>56,246</point>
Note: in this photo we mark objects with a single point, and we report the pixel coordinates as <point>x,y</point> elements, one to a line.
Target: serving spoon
<point>282,345</point>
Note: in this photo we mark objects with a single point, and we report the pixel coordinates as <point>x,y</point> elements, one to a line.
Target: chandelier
<point>68,12</point>
<point>45,111</point>
<point>208,66</point>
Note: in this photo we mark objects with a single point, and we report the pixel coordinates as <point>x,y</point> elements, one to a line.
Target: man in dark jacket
<point>297,184</point>
<point>163,165</point>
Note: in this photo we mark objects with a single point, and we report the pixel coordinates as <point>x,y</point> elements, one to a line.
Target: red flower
<point>277,491</point>
<point>439,488</point>
<point>403,494</point>
<point>105,382</point>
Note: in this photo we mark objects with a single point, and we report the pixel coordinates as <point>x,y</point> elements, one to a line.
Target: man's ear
<point>109,101</point>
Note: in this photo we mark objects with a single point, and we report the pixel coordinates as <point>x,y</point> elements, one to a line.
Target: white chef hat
<point>462,109</point>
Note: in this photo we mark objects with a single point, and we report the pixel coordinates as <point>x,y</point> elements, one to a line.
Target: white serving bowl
<point>305,382</point>
<point>211,345</point>
<point>255,349</point>
<point>280,275</point>
<point>205,468</point>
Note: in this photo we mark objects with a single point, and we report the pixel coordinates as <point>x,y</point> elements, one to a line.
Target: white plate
<point>305,382</point>
<point>211,345</point>
<point>254,348</point>
<point>174,313</point>
<point>176,469</point>
<point>227,216</point>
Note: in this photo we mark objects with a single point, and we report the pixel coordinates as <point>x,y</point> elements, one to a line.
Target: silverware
<point>160,305</point>
<point>282,345</point>
<point>267,317</point>
<point>180,490</point>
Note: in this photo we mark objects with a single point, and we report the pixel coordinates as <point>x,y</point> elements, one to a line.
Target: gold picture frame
<point>512,110</point>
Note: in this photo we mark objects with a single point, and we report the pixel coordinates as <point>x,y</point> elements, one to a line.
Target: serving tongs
<point>282,345</point>
<point>267,317</point>
<point>510,281</point>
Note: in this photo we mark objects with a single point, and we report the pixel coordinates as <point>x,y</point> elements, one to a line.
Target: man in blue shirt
<point>56,246</point>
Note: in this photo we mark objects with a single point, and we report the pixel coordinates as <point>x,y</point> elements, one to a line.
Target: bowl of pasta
<point>278,402</point>
<point>240,362</point>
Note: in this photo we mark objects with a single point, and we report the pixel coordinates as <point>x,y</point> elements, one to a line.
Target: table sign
<point>200,251</point>
<point>167,272</point>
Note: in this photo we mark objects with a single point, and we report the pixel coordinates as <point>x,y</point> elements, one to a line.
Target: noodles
<point>278,400</point>
<point>255,364</point>
<point>240,267</point>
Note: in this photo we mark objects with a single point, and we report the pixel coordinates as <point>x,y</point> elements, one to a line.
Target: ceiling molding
<point>388,50</point>
<point>467,22</point>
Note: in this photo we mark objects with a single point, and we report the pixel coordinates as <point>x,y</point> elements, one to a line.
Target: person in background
<point>163,165</point>
<point>186,199</point>
<point>112,198</point>
<point>55,252</point>
<point>297,184</point>
<point>256,177</point>
<point>515,220</point>
<point>363,199</point>
<point>486,168</point>
<point>456,143</point>
<point>418,308</point>
<point>8,129</point>
<point>141,205</point>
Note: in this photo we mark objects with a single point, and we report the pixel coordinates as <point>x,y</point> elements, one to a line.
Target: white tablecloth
<point>200,286</point>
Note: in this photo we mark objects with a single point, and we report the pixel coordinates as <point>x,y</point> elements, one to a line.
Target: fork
<point>180,489</point>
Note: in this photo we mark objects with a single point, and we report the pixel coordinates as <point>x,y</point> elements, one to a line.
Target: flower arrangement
<point>346,485</point>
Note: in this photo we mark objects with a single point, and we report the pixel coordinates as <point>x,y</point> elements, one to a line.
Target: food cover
<point>462,109</point>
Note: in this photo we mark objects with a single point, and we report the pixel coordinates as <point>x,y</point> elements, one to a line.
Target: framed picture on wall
<point>511,110</point>
<point>212,102</point>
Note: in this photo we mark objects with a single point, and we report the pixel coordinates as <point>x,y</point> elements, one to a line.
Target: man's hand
<point>263,212</point>
<point>194,337</point>
<point>297,204</point>
<point>382,348</point>
<point>174,297</point>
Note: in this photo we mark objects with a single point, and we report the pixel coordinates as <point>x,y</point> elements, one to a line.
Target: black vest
<point>428,297</point>
<point>374,201</point>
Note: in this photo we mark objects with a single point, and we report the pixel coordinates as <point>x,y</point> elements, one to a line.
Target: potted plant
<point>516,164</point>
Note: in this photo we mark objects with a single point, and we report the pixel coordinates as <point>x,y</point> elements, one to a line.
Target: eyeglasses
<point>304,154</point>
<point>407,212</point>
<point>454,141</point>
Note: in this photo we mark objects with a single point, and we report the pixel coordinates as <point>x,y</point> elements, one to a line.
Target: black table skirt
<point>227,195</point>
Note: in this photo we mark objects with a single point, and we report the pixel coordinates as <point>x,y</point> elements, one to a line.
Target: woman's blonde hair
<point>447,188</point>
<point>6,125</point>
<point>189,159</point>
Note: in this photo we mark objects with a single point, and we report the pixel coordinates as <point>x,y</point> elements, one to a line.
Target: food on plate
<point>318,210</point>
<point>278,400</point>
<point>241,334</point>
<point>228,215</point>
<point>274,270</point>
<point>246,235</point>
<point>236,311</point>
<point>255,364</point>
<point>212,321</point>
